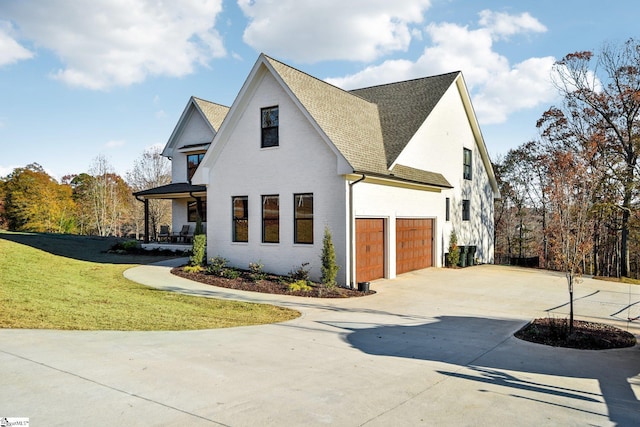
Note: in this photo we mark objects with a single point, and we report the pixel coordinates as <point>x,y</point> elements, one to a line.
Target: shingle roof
<point>350,122</point>
<point>370,126</point>
<point>214,113</point>
<point>404,106</point>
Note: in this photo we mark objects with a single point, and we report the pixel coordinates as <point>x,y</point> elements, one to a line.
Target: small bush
<point>300,273</point>
<point>217,265</point>
<point>329,266</point>
<point>230,273</point>
<point>193,268</point>
<point>453,257</point>
<point>199,249</point>
<point>299,285</point>
<point>130,245</point>
<point>255,271</point>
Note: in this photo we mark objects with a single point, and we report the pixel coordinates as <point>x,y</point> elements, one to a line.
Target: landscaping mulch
<point>586,335</point>
<point>271,285</point>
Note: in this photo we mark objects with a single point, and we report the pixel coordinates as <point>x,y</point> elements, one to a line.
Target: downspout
<point>352,222</point>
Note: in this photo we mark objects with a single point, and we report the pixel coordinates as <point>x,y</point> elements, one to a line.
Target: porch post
<point>146,220</point>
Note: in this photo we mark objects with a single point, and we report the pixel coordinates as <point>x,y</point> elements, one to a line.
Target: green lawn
<point>43,285</point>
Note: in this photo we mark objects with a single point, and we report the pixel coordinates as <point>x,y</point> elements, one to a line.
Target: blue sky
<point>79,79</point>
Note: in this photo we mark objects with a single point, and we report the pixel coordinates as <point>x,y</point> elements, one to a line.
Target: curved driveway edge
<point>433,347</point>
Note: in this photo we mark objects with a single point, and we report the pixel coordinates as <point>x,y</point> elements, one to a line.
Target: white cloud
<point>497,87</point>
<point>10,50</point>
<point>105,43</point>
<point>503,24</point>
<point>115,143</point>
<point>360,30</point>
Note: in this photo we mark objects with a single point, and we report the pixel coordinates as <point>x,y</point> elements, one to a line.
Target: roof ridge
<point>405,81</point>
<point>209,102</point>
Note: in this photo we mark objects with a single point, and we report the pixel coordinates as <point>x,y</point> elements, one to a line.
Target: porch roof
<point>174,190</point>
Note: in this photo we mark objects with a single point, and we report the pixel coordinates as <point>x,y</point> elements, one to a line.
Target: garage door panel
<point>414,244</point>
<point>370,248</point>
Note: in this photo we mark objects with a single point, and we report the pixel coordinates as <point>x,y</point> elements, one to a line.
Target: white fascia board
<point>475,127</point>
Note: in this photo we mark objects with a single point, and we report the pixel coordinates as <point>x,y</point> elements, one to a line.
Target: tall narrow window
<point>467,164</point>
<point>447,207</point>
<point>269,127</point>
<point>193,160</point>
<point>466,210</point>
<point>240,218</point>
<point>270,219</point>
<point>303,218</point>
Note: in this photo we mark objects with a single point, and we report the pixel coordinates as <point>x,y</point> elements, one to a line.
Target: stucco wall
<point>302,163</point>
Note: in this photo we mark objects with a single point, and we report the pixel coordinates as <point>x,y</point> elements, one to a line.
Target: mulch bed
<point>586,335</point>
<point>271,285</point>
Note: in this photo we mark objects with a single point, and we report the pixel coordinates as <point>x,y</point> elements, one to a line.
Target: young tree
<point>149,171</point>
<point>602,107</point>
<point>329,267</point>
<point>570,195</point>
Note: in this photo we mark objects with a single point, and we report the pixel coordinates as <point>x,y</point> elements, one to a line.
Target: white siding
<point>302,163</point>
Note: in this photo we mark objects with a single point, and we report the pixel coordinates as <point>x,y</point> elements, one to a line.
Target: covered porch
<point>194,197</point>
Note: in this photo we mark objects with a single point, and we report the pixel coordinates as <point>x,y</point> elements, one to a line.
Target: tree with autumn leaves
<point>595,136</point>
<point>96,203</point>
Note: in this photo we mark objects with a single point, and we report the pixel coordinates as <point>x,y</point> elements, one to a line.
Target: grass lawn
<point>69,282</point>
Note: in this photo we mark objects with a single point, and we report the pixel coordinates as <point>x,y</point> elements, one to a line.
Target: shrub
<point>199,248</point>
<point>130,245</point>
<point>299,285</point>
<point>453,257</point>
<point>193,268</point>
<point>300,273</point>
<point>217,265</point>
<point>255,271</point>
<point>329,267</point>
<point>230,273</point>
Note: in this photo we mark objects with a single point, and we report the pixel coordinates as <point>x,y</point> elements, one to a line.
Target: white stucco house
<point>390,170</point>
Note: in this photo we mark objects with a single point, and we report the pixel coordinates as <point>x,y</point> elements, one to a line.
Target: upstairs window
<point>303,218</point>
<point>467,164</point>
<point>269,127</point>
<point>466,210</point>
<point>193,160</point>
<point>270,219</point>
<point>240,218</point>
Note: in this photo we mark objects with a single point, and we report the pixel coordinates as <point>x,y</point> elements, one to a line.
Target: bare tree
<point>149,171</point>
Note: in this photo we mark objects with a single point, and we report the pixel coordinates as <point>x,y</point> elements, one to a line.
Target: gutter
<point>352,222</point>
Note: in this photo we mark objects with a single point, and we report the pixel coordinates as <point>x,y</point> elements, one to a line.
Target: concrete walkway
<point>433,347</point>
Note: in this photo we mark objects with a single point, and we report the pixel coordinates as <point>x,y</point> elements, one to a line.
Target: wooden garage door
<point>414,244</point>
<point>369,249</point>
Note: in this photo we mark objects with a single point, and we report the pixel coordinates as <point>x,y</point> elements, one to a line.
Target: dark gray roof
<point>404,106</point>
<point>370,126</point>
<point>173,189</point>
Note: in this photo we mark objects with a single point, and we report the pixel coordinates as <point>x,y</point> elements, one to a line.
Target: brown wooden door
<point>369,249</point>
<point>414,244</point>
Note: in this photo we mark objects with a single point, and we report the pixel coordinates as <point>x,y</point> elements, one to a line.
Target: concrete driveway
<point>433,347</point>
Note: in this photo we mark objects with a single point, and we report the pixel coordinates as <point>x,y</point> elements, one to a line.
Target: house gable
<point>196,127</point>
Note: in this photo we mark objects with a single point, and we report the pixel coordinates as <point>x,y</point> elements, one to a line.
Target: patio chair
<point>164,233</point>
<point>185,234</point>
